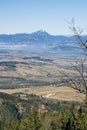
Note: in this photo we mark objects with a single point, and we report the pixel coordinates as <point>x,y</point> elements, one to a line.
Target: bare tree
<point>78,80</point>
<point>78,34</point>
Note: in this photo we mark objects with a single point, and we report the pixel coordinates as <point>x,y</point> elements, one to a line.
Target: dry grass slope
<point>59,93</point>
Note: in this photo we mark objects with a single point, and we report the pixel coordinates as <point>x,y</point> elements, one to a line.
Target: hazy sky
<point>17,16</point>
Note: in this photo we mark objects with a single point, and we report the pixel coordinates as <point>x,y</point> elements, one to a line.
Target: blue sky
<point>26,16</point>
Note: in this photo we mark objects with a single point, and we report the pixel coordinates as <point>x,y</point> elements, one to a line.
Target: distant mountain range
<point>47,42</point>
<point>36,37</point>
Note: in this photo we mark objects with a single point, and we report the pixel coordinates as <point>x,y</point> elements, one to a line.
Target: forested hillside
<point>37,113</point>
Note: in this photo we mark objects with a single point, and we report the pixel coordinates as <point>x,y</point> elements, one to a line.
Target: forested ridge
<point>37,113</point>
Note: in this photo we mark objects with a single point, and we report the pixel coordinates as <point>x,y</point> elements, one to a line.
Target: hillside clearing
<point>59,93</point>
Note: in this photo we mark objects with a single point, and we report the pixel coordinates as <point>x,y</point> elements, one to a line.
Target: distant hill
<point>39,41</point>
<point>36,37</point>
